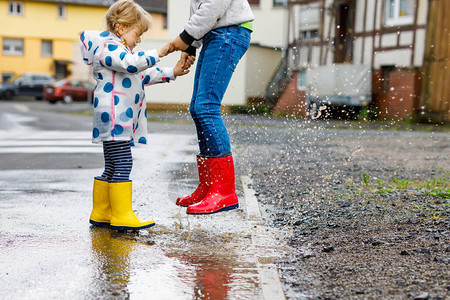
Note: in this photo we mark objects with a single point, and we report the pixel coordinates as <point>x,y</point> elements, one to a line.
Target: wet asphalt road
<point>49,251</point>
<point>46,170</point>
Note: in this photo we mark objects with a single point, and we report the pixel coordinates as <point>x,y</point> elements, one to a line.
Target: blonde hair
<point>128,13</point>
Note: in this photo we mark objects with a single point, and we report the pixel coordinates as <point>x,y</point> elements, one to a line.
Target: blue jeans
<point>222,49</point>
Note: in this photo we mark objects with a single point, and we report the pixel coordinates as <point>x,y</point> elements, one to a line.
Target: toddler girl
<point>120,117</point>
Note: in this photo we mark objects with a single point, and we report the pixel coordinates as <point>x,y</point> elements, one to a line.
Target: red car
<point>68,90</point>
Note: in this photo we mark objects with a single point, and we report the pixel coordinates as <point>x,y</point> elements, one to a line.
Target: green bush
<point>251,109</point>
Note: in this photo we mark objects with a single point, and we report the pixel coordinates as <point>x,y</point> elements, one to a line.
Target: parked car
<point>27,84</point>
<point>68,90</point>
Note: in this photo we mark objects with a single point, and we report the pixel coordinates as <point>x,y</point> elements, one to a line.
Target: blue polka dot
<point>137,125</point>
<point>112,47</point>
<point>90,45</point>
<point>148,61</point>
<point>100,76</point>
<point>141,53</point>
<point>95,133</point>
<point>105,117</point>
<point>123,117</point>
<point>126,83</point>
<point>142,140</point>
<point>82,36</point>
<point>118,129</point>
<point>153,60</point>
<point>136,99</point>
<point>129,112</point>
<point>95,102</point>
<point>95,51</point>
<point>104,33</point>
<point>145,113</point>
<point>122,55</point>
<point>116,99</point>
<point>108,87</point>
<point>108,61</point>
<point>139,114</point>
<point>132,69</point>
<point>146,79</point>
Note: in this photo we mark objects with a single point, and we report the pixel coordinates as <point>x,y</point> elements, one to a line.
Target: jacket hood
<point>91,41</point>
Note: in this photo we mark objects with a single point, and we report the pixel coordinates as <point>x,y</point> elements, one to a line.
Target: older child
<point>224,28</point>
<point>120,117</point>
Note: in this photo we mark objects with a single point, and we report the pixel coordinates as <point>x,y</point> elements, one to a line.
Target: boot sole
<point>234,206</point>
<point>100,224</point>
<point>131,228</point>
<point>186,205</point>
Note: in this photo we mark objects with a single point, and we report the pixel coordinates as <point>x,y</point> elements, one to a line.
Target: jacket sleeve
<point>204,19</point>
<point>117,58</point>
<point>157,75</point>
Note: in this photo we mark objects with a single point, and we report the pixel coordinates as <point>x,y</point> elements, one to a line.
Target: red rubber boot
<point>221,194</point>
<point>203,186</point>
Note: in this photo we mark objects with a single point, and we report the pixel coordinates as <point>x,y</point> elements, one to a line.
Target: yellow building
<point>41,35</point>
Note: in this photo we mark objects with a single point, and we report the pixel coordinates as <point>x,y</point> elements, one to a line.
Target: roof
<point>81,2</point>
<point>156,6</point>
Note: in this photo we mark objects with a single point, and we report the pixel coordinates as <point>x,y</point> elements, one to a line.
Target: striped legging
<point>118,161</point>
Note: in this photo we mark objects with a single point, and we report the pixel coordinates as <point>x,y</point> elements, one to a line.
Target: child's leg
<point>121,160</point>
<point>101,208</point>
<point>109,166</point>
<point>120,188</point>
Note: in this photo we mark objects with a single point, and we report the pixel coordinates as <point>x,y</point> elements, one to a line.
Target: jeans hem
<point>218,155</point>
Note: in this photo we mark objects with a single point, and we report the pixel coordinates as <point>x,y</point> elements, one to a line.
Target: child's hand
<point>177,44</point>
<point>179,69</point>
<point>164,50</point>
<point>187,60</point>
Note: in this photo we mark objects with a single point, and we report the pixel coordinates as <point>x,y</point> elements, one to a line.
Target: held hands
<point>164,50</point>
<point>186,60</point>
<point>175,45</point>
<point>183,65</point>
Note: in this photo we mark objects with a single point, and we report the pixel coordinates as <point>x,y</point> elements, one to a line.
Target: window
<point>61,11</point>
<point>399,12</point>
<point>301,79</point>
<point>12,46</point>
<point>309,22</point>
<point>309,34</point>
<point>6,76</point>
<point>46,48</point>
<point>15,8</point>
<point>279,2</point>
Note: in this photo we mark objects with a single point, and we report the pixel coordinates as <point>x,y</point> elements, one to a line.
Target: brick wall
<point>398,98</point>
<point>292,101</point>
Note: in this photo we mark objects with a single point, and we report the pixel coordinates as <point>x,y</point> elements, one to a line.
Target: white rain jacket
<point>119,99</point>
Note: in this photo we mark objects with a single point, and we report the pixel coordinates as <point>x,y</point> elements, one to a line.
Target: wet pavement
<point>49,251</point>
<point>319,217</point>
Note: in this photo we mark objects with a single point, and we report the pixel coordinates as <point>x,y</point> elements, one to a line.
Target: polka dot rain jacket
<point>119,99</point>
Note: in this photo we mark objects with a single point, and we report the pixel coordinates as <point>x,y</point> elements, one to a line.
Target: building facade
<point>387,35</point>
<point>41,35</point>
<point>253,72</point>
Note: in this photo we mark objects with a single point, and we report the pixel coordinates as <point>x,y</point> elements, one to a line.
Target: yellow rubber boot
<point>101,209</point>
<point>122,215</point>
